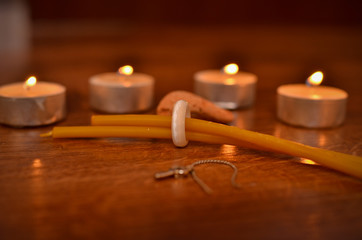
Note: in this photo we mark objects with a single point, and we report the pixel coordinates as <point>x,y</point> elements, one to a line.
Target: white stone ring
<point>180,112</point>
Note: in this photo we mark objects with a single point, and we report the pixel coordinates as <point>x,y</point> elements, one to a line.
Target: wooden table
<point>104,188</point>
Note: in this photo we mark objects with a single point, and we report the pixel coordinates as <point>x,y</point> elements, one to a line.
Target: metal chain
<point>189,169</point>
<point>203,185</point>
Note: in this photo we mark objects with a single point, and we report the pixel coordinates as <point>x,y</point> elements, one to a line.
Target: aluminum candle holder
<point>34,109</point>
<point>226,91</point>
<point>112,94</point>
<point>311,107</point>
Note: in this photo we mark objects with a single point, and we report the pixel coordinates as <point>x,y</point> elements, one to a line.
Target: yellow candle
<point>339,161</point>
<point>136,132</point>
<point>153,126</point>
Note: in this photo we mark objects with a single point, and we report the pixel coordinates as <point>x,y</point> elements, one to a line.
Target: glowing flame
<point>30,82</point>
<point>308,161</point>
<point>126,70</point>
<point>231,69</point>
<point>315,79</point>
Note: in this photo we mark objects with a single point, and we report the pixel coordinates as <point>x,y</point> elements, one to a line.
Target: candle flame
<point>315,79</point>
<point>231,69</point>
<point>126,70</point>
<point>30,82</point>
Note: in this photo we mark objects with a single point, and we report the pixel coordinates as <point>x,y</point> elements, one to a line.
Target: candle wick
<point>226,73</point>
<point>26,87</point>
<point>48,134</point>
<point>309,83</point>
<point>122,77</point>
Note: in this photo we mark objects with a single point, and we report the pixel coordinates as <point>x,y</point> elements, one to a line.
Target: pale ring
<point>180,112</point>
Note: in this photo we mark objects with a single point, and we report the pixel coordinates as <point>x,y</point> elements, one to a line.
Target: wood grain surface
<point>104,188</point>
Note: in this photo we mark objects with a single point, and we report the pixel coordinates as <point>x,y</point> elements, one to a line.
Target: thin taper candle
<point>339,161</point>
<point>153,126</point>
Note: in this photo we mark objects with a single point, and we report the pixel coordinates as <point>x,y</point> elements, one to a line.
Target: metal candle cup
<point>42,104</point>
<point>311,106</point>
<point>114,93</point>
<point>226,91</point>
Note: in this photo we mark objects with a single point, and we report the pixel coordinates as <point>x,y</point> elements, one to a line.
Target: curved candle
<point>117,93</point>
<point>43,103</point>
<point>154,126</point>
<point>311,106</point>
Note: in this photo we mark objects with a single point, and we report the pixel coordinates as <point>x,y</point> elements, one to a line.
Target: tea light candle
<point>122,92</point>
<point>32,103</point>
<point>310,105</point>
<point>228,88</point>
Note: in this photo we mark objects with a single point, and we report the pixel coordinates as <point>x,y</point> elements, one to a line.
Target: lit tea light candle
<point>227,88</point>
<point>311,105</point>
<point>121,92</point>
<point>32,103</point>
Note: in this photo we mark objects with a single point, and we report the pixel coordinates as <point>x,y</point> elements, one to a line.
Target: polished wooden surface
<point>104,188</point>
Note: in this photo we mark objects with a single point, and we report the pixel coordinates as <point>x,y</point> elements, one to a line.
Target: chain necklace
<point>178,172</point>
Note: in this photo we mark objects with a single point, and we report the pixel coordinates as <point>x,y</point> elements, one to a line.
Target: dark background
<point>204,11</point>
